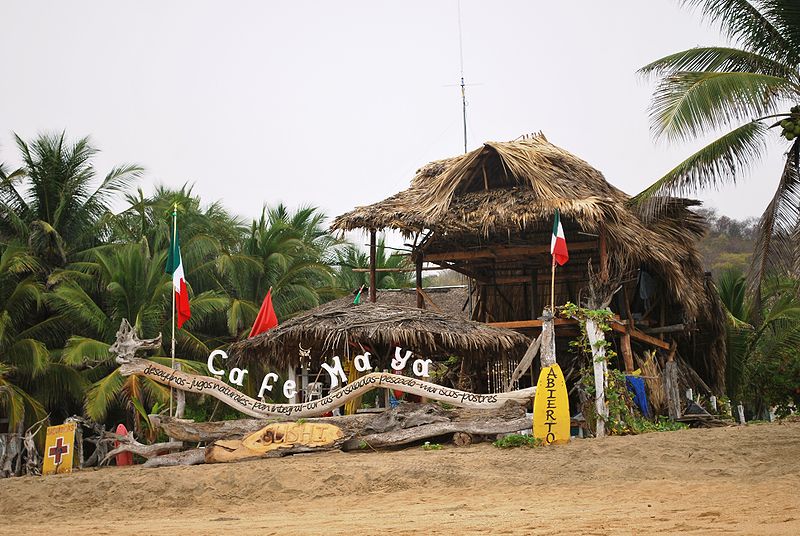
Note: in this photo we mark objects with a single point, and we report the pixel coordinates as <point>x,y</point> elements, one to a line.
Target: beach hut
<point>342,328</point>
<point>488,214</point>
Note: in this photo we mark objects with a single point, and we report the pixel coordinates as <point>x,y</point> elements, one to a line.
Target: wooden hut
<point>488,214</point>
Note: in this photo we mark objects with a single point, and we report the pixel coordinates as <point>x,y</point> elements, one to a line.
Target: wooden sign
<point>551,407</point>
<point>59,449</point>
<point>249,406</point>
<point>289,436</point>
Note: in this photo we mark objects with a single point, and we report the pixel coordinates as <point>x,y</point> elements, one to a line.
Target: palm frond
<point>743,22</point>
<point>718,59</point>
<point>688,104</point>
<point>723,160</point>
<point>776,243</point>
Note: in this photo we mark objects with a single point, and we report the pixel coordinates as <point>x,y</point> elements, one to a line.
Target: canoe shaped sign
<point>551,407</point>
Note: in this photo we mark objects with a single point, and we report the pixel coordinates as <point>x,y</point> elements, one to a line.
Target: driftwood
<point>10,454</point>
<point>275,440</point>
<point>191,431</point>
<point>186,457</point>
<point>408,423</point>
<point>129,444</point>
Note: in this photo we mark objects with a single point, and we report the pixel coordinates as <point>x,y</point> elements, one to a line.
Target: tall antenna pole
<point>463,86</point>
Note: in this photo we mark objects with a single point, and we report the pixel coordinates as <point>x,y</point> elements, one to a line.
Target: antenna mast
<point>463,86</point>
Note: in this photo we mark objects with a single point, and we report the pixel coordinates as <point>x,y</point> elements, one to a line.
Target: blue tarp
<point>636,386</point>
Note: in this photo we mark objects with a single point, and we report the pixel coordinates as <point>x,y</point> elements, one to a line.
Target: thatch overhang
<point>488,214</point>
<point>344,329</point>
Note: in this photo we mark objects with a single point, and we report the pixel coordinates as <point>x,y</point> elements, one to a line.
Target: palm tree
<point>52,204</point>
<point>351,257</point>
<point>29,380</point>
<point>744,90</point>
<point>125,281</point>
<point>763,366</point>
<point>288,252</point>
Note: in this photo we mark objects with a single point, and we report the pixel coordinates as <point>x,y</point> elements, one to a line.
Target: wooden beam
<point>420,298</point>
<point>494,252</point>
<point>675,328</point>
<point>379,270</point>
<point>373,291</point>
<point>627,353</point>
<point>639,335</point>
<point>426,297</point>
<point>603,253</point>
<point>518,324</point>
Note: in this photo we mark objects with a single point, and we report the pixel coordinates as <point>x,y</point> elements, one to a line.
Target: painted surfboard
<point>551,407</point>
<point>123,458</point>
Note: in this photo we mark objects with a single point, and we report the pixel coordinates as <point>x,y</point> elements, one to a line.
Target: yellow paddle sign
<point>551,407</point>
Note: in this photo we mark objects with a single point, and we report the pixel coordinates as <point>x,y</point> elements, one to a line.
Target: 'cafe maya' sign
<point>420,368</point>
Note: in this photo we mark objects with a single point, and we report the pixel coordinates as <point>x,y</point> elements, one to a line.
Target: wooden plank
<point>639,335</point>
<point>494,252</point>
<point>421,294</point>
<point>393,270</point>
<point>517,324</point>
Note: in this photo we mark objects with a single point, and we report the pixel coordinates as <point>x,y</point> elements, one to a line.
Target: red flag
<point>266,319</point>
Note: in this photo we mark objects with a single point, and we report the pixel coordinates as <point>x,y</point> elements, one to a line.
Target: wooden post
<point>420,297</point>
<point>671,384</point>
<point>596,341</point>
<point>603,254</point>
<point>627,353</point>
<point>547,353</point>
<point>373,291</point>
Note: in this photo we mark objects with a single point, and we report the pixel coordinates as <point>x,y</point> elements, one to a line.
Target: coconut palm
<point>747,91</point>
<point>52,202</point>
<point>763,361</point>
<point>352,256</point>
<point>125,281</point>
<point>30,381</point>
<point>286,251</point>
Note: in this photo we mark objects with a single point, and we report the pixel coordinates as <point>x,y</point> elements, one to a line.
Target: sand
<point>735,480</point>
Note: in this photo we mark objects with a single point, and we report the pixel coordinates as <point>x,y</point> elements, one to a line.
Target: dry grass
<point>336,328</point>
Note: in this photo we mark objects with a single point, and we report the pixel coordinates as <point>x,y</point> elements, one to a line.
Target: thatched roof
<point>505,187</point>
<point>330,328</point>
<point>506,193</point>
<point>451,300</point>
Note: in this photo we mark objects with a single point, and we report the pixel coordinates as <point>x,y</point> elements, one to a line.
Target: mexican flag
<point>558,244</point>
<point>175,267</point>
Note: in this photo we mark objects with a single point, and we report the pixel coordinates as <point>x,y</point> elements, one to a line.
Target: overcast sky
<point>336,104</point>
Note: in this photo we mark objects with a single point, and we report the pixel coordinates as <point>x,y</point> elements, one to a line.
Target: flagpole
<point>553,287</point>
<point>174,236</point>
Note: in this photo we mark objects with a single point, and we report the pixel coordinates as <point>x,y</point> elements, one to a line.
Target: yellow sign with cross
<point>59,449</point>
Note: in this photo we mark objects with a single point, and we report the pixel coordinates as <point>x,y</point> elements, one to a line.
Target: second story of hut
<point>488,215</point>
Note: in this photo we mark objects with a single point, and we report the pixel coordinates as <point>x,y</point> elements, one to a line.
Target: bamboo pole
<point>172,283</point>
<point>373,291</point>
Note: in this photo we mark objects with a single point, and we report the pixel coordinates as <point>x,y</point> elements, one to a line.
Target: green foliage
<point>71,270</point>
<point>518,440</point>
<point>601,317</point>
<point>742,92</point>
<point>431,446</point>
<point>763,362</point>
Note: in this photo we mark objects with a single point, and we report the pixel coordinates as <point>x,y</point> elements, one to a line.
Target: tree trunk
<point>597,342</point>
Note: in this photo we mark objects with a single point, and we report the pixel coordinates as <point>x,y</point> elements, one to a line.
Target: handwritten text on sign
<point>551,418</point>
<point>250,406</point>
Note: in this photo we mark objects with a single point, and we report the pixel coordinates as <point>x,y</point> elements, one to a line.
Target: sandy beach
<point>735,480</point>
